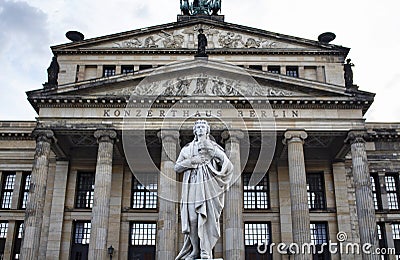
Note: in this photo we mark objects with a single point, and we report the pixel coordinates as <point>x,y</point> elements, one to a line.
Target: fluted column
<point>37,194</point>
<point>364,197</point>
<point>298,189</point>
<point>233,210</point>
<point>167,224</point>
<point>102,192</point>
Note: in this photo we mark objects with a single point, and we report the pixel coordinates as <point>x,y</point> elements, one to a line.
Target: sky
<point>29,27</point>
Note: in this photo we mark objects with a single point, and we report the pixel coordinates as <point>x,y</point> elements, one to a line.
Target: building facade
<point>95,169</point>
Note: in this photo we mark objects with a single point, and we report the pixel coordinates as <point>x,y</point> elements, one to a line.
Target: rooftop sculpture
<point>198,7</point>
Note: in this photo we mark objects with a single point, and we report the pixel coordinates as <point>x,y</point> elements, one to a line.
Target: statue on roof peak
<point>200,7</point>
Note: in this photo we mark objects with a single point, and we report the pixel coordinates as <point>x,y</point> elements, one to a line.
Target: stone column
<point>37,193</point>
<point>233,210</point>
<point>298,189</point>
<point>56,221</point>
<point>167,224</point>
<point>102,192</point>
<point>342,204</point>
<point>389,239</point>
<point>11,233</point>
<point>364,197</point>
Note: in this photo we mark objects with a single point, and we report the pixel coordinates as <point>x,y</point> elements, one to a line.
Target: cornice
<point>387,135</point>
<point>222,51</point>
<point>17,130</point>
<point>16,136</point>
<point>204,102</point>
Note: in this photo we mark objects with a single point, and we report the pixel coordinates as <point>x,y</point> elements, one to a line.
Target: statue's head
<point>201,127</point>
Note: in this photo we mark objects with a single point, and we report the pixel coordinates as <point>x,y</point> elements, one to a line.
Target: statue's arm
<point>183,163</point>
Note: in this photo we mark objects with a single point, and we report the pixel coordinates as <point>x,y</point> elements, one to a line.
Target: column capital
<point>294,135</point>
<point>232,135</point>
<point>105,135</point>
<point>168,135</point>
<point>356,136</point>
<point>43,135</point>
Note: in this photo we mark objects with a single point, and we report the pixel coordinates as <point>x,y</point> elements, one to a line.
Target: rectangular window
<point>316,191</point>
<point>127,69</point>
<point>375,191</point>
<point>18,240</point>
<point>3,236</point>
<point>142,240</point>
<point>319,236</point>
<point>109,71</point>
<point>82,233</point>
<point>274,69</point>
<point>84,190</point>
<point>7,190</point>
<point>81,240</point>
<point>292,71</point>
<point>392,188</point>
<point>257,234</point>
<point>255,67</point>
<point>144,191</point>
<point>26,184</point>
<point>396,238</point>
<point>255,197</point>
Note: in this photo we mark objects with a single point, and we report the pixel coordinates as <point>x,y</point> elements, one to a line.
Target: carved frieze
<point>202,85</point>
<point>187,38</point>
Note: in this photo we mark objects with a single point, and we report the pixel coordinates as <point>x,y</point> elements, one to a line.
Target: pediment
<point>183,35</point>
<point>186,38</point>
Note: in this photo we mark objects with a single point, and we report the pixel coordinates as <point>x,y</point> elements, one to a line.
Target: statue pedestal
<point>182,18</point>
<point>205,58</point>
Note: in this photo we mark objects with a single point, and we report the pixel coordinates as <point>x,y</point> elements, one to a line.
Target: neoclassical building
<point>96,168</point>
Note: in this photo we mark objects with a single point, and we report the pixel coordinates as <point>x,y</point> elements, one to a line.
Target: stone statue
<point>215,7</point>
<point>52,73</point>
<point>207,173</point>
<point>348,73</point>
<point>202,7</point>
<point>202,44</point>
<point>185,8</point>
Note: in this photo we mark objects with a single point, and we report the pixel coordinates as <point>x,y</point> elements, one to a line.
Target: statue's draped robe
<point>209,180</point>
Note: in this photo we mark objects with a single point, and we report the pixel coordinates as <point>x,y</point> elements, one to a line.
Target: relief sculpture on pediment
<point>187,38</point>
<point>172,41</point>
<point>232,40</point>
<point>203,85</point>
<point>132,43</point>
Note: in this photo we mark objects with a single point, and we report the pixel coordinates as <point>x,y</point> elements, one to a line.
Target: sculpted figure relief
<point>207,173</point>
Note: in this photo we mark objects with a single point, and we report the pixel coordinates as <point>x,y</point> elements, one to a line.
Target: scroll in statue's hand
<point>198,159</point>
<point>206,150</point>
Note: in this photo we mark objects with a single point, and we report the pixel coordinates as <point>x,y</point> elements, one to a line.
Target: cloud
<point>24,54</point>
<point>386,105</point>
